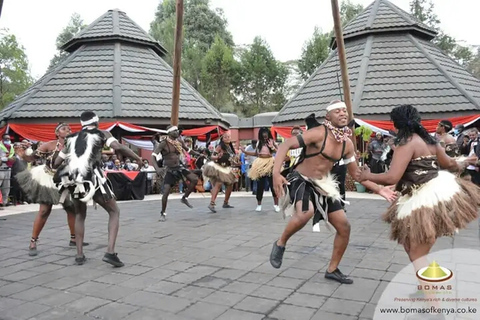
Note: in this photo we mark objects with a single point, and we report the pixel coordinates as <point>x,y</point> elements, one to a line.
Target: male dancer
<point>83,177</point>
<point>311,189</point>
<point>172,149</point>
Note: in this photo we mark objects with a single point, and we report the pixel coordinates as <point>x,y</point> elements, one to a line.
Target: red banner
<point>285,132</point>
<point>430,125</point>
<point>46,132</point>
<point>201,133</point>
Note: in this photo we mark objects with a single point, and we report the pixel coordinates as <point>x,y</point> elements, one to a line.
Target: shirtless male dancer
<point>311,190</point>
<point>172,149</point>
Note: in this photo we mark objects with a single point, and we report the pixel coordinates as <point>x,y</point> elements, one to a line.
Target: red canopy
<point>285,132</point>
<point>387,125</point>
<point>430,125</point>
<point>46,132</point>
<point>201,133</point>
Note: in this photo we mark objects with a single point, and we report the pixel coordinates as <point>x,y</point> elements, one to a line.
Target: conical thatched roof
<point>116,70</point>
<point>391,61</point>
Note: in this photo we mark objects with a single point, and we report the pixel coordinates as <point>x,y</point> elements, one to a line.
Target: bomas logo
<point>434,273</point>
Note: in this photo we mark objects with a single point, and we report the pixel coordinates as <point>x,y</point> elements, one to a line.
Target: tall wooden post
<point>342,58</point>
<point>177,63</point>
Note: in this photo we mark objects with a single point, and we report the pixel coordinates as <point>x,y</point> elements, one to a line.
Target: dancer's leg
<point>214,192</point>
<point>228,193</point>
<point>38,224</point>
<point>113,225</point>
<point>298,221</point>
<point>80,215</point>
<point>260,189</point>
<point>339,220</point>
<point>270,182</point>
<point>193,180</point>
<point>166,193</point>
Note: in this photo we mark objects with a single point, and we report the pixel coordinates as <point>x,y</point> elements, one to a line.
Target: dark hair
<point>223,145</point>
<point>261,142</point>
<point>87,115</point>
<point>447,124</point>
<point>408,121</point>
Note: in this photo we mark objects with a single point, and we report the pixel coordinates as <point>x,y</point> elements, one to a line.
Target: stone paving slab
<point>199,265</point>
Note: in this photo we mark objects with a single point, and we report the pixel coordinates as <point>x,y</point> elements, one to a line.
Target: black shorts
<point>175,175</point>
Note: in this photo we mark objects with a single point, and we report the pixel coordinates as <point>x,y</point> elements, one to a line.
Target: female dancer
<point>262,167</point>
<point>219,171</point>
<point>38,184</point>
<point>433,202</point>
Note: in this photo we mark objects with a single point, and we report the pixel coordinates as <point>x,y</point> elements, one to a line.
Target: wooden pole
<point>343,62</point>
<point>177,63</point>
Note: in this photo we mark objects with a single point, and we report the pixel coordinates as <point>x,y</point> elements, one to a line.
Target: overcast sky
<point>284,24</point>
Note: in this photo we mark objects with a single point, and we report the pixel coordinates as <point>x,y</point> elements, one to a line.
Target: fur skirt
<point>437,208</point>
<point>261,167</point>
<point>38,185</point>
<point>217,173</point>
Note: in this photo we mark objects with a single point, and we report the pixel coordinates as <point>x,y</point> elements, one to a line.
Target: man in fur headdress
<point>82,176</point>
<point>311,190</point>
<point>171,148</point>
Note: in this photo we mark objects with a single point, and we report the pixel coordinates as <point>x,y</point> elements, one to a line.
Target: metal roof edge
<point>37,86</point>
<point>444,72</point>
<point>362,74</point>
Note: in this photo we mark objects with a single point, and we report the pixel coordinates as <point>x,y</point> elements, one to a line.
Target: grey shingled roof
<point>387,69</point>
<point>118,77</point>
<point>382,16</point>
<point>111,26</point>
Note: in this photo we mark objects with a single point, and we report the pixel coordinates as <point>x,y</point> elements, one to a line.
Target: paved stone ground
<point>199,266</point>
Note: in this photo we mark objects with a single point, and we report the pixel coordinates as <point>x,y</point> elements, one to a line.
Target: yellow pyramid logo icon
<point>434,271</point>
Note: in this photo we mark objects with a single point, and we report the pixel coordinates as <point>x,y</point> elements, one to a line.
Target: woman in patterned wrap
<point>433,202</point>
<point>39,187</point>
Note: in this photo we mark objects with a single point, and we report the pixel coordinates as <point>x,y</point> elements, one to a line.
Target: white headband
<point>174,128</point>
<point>87,122</point>
<point>337,105</point>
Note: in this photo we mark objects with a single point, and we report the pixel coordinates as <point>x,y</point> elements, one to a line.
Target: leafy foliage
<point>314,52</point>
<point>317,48</point>
<point>242,79</point>
<point>365,132</point>
<point>218,69</point>
<point>15,75</point>
<point>425,12</point>
<point>348,11</point>
<point>474,64</point>
<point>75,25</point>
<point>201,26</point>
<point>260,85</point>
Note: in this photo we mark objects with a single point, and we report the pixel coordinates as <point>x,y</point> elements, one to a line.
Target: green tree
<point>218,71</point>
<point>201,25</point>
<point>314,52</point>
<point>261,82</point>
<point>71,30</point>
<point>162,28</point>
<point>317,48</point>
<point>474,64</point>
<point>15,75</point>
<point>425,12</point>
<point>348,11</point>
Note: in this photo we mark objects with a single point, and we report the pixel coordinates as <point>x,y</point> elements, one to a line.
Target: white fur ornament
<point>29,152</point>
